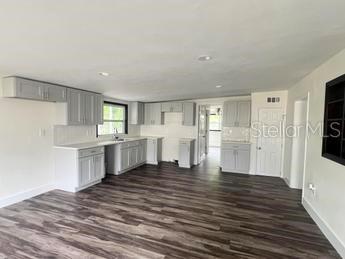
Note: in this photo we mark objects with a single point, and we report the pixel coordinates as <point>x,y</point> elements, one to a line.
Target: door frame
<point>305,98</point>
<point>198,133</point>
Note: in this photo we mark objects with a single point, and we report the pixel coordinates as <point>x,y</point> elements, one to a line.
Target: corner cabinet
<point>236,113</point>
<point>78,169</point>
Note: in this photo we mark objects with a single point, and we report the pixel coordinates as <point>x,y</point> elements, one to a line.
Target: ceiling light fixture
<point>204,58</point>
<point>103,74</point>
<point>219,86</point>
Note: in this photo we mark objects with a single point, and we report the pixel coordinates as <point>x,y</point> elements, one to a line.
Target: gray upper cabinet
<point>89,108</point>
<point>189,114</point>
<point>75,107</point>
<point>99,109</point>
<point>243,113</point>
<point>147,114</point>
<point>153,114</point>
<point>230,114</point>
<point>55,93</point>
<point>84,108</point>
<point>31,89</point>
<point>136,113</point>
<point>236,114</point>
<point>172,107</point>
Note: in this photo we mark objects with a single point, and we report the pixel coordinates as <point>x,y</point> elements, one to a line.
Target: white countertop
<point>244,142</point>
<point>101,143</point>
<point>187,139</point>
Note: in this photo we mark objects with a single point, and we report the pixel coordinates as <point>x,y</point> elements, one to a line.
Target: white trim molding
<point>18,197</point>
<point>325,228</point>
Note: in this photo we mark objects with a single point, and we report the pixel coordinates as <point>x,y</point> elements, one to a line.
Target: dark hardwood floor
<point>165,212</point>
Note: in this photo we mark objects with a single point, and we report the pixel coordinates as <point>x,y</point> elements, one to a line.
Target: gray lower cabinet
<point>35,90</point>
<point>125,156</point>
<point>235,158</point>
<point>236,113</point>
<point>153,114</point>
<point>78,169</point>
<point>154,151</point>
<point>188,114</point>
<point>186,153</point>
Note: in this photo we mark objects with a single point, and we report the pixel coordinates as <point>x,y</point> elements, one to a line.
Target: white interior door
<point>269,144</point>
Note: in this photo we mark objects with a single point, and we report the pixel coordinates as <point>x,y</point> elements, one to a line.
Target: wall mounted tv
<point>333,146</point>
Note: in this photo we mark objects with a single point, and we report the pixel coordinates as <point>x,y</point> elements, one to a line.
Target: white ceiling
<point>150,47</point>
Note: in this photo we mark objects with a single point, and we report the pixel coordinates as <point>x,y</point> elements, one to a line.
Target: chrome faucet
<point>115,134</point>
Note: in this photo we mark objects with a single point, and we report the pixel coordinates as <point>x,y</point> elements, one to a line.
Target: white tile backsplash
<point>79,134</point>
<point>236,133</point>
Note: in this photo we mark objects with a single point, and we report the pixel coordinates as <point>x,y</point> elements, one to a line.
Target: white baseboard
<point>9,200</point>
<point>325,228</point>
<point>286,181</point>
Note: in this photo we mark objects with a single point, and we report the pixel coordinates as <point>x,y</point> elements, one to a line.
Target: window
<point>115,118</point>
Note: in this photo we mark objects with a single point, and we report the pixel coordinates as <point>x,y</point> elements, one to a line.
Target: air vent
<point>273,99</point>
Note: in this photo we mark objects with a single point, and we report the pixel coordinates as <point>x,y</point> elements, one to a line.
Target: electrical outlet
<point>312,188</point>
<point>41,132</point>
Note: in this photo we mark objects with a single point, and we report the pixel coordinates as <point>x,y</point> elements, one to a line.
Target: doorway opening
<point>210,132</point>
<point>299,144</point>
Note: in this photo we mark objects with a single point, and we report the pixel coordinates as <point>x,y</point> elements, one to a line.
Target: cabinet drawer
<point>133,143</point>
<point>124,145</point>
<point>90,151</point>
<point>235,146</point>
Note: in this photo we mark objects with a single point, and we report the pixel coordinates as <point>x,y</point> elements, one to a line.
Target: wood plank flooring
<point>165,212</point>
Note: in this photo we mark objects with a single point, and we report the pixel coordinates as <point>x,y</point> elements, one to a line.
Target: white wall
<point>26,159</point>
<point>259,101</point>
<point>328,177</point>
<point>26,154</point>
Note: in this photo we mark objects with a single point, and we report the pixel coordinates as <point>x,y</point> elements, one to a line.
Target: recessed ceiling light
<point>204,58</point>
<point>103,74</point>
<point>219,86</point>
